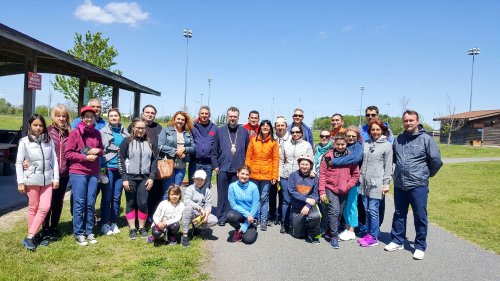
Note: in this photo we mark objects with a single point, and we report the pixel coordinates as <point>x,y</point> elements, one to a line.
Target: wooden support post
<point>137,103</point>
<point>30,65</point>
<point>81,89</point>
<point>115,98</point>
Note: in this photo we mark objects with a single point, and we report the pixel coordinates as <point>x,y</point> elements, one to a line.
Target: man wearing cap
<point>99,121</point>
<point>303,190</point>
<point>337,122</point>
<point>281,135</point>
<point>228,154</point>
<point>198,201</point>
<point>416,159</point>
<point>298,117</point>
<point>203,132</point>
<point>253,123</point>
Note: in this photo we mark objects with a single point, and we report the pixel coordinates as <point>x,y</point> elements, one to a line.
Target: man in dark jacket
<point>204,132</point>
<point>228,154</point>
<point>416,159</point>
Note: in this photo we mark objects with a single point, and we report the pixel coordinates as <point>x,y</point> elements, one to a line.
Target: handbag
<point>165,168</point>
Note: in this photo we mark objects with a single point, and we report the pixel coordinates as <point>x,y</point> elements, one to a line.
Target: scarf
<point>320,151</point>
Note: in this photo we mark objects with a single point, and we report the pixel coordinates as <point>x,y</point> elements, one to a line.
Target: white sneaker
<point>346,235</point>
<point>391,247</point>
<point>115,228</point>
<point>91,238</point>
<point>106,229</point>
<point>80,240</point>
<point>418,255</point>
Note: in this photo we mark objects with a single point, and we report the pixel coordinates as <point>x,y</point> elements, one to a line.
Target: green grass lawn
<point>112,258</point>
<point>10,122</point>
<point>465,151</point>
<point>465,199</point>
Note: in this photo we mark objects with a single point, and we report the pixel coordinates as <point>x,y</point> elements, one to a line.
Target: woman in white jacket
<point>289,156</point>
<point>41,176</point>
<point>167,217</point>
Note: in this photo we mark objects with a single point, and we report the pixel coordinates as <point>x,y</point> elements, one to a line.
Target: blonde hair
<point>60,109</point>
<point>188,126</point>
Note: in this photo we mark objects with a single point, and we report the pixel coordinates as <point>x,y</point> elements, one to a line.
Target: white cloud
<point>113,12</point>
<point>323,35</point>
<point>347,28</point>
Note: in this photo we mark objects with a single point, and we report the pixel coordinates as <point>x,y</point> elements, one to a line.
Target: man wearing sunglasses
<point>371,112</point>
<point>298,116</point>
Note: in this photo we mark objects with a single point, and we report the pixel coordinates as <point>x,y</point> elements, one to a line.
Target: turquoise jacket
<point>244,198</point>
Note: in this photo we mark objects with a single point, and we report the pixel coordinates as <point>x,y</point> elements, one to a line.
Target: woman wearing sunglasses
<point>290,154</point>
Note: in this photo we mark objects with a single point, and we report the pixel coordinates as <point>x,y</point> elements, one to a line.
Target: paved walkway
<point>276,256</point>
<point>465,160</point>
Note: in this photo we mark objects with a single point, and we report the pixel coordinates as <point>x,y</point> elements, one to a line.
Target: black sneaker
<point>29,244</point>
<point>221,223</point>
<point>313,240</point>
<point>196,231</point>
<point>45,237</point>
<point>263,226</point>
<point>282,229</point>
<point>144,233</point>
<point>55,234</point>
<point>185,241</point>
<point>132,234</point>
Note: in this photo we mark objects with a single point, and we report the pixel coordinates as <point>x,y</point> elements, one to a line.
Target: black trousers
<point>302,225</point>
<point>56,205</point>
<point>275,211</point>
<point>223,181</point>
<point>170,230</point>
<point>234,218</point>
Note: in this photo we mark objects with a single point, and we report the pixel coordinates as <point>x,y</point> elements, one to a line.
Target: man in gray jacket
<point>416,159</point>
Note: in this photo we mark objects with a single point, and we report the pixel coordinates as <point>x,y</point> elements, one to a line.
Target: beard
<point>232,125</point>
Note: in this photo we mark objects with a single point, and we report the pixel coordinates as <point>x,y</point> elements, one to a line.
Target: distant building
<point>477,127</point>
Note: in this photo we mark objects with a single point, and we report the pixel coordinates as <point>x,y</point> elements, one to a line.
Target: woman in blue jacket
<point>244,200</point>
<point>176,142</point>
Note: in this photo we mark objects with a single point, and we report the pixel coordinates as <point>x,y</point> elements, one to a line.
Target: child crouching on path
<point>198,201</point>
<point>167,217</point>
<point>335,183</point>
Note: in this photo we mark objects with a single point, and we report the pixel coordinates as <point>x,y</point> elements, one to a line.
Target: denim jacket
<point>167,143</point>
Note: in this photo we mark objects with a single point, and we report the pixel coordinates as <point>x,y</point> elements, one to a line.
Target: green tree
<point>42,110</point>
<point>95,50</point>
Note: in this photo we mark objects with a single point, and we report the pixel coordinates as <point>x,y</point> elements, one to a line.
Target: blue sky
<point>309,54</point>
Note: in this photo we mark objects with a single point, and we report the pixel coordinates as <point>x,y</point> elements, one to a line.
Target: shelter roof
<point>470,115</point>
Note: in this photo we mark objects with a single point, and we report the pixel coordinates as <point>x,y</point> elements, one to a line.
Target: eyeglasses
<point>351,136</point>
<point>324,136</point>
<point>295,132</point>
<point>371,115</point>
<point>298,115</point>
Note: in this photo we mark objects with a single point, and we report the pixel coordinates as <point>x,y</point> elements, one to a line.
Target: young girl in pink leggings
<point>41,176</point>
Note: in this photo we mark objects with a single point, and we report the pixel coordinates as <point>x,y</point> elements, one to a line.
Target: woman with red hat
<point>83,149</point>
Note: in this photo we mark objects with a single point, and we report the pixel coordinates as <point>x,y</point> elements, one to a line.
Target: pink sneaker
<point>369,242</point>
<point>363,238</point>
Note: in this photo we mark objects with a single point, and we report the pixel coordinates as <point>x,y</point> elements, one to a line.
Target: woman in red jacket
<point>263,159</point>
<point>335,183</point>
<point>83,149</point>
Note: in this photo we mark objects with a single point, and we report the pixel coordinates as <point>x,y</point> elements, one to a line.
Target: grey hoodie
<point>376,169</point>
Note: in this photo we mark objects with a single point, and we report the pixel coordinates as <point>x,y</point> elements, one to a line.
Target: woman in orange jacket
<point>263,158</point>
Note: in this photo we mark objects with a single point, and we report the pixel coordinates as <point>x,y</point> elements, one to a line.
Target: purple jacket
<point>60,140</point>
<point>77,140</point>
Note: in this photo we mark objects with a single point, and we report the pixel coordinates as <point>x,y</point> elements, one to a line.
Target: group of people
<point>266,173</point>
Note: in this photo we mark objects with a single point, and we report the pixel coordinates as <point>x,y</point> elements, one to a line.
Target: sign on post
<point>34,81</point>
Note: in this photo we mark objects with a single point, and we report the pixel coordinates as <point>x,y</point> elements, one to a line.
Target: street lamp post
<point>209,82</point>
<point>201,99</point>
<point>362,88</point>
<point>472,52</point>
<point>188,34</point>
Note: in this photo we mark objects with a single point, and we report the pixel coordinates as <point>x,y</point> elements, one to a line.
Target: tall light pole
<point>362,88</point>
<point>188,34</point>
<point>472,52</point>
<point>201,99</point>
<point>209,82</point>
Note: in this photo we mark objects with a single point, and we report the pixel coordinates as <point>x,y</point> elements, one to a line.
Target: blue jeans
<point>111,197</point>
<point>263,186</point>
<point>84,196</point>
<point>417,198</point>
<point>285,208</point>
<point>372,215</point>
<point>176,178</point>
